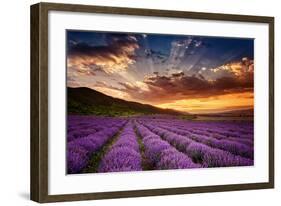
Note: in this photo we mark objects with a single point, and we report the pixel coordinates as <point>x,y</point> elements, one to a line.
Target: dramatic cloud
<point>116,56</point>
<point>173,71</point>
<point>101,84</point>
<point>71,82</point>
<point>245,67</point>
<point>162,88</point>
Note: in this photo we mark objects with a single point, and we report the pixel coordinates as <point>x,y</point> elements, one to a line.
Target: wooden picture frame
<point>39,101</point>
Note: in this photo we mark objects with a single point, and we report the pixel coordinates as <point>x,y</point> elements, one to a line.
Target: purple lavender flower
<point>165,143</point>
<point>124,154</point>
<point>121,159</point>
<point>161,154</point>
<point>172,159</point>
<point>77,158</point>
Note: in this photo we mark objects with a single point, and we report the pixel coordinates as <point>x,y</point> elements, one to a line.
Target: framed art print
<point>138,102</point>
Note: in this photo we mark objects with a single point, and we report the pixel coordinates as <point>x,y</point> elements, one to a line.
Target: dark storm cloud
<point>113,57</point>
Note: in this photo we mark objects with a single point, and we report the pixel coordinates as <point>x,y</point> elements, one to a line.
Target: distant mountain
<point>240,113</point>
<point>84,100</point>
<point>234,113</point>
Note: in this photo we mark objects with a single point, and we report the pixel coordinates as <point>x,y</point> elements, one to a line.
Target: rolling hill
<point>87,101</point>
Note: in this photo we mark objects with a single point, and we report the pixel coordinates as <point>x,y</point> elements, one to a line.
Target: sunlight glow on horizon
<point>220,103</point>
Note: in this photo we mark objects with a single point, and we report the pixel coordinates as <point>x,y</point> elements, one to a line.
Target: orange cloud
<point>239,68</point>
<point>159,89</point>
<point>230,89</point>
<point>112,58</point>
<point>165,89</point>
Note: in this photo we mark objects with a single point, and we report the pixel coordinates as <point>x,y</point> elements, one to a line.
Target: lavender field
<point>97,144</point>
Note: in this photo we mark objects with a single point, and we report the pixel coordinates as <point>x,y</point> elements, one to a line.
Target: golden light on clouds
<point>239,68</point>
<point>110,64</point>
<point>113,93</point>
<point>114,57</point>
<point>219,103</point>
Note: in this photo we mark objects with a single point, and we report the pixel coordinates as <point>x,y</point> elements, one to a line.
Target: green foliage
<point>112,110</point>
<point>146,164</point>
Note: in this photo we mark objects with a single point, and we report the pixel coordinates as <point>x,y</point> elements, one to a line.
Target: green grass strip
<point>96,157</point>
<point>146,165</point>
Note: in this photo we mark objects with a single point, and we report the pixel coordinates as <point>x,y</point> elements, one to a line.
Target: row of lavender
<point>240,132</point>
<point>167,144</point>
<point>160,153</point>
<point>199,151</point>
<point>124,155</point>
<point>81,148</point>
<point>82,126</point>
<point>164,151</point>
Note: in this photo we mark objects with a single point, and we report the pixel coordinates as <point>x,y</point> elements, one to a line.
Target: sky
<point>195,74</point>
